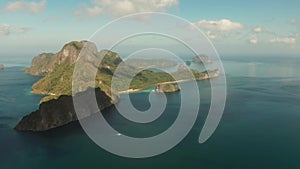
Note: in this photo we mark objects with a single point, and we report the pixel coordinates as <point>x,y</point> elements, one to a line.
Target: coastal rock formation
<point>41,64</point>
<point>167,88</point>
<point>1,67</point>
<point>212,73</point>
<point>58,70</point>
<point>56,113</point>
<point>56,109</point>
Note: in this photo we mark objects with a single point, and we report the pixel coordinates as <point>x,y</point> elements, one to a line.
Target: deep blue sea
<point>259,129</point>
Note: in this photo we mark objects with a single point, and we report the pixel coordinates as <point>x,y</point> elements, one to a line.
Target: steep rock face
<point>56,113</point>
<point>1,67</point>
<point>57,69</point>
<point>59,80</point>
<point>41,64</point>
<point>47,62</point>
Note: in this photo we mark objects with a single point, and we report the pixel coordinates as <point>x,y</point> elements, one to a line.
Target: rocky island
<point>56,108</point>
<point>200,59</point>
<point>1,67</point>
<point>167,88</point>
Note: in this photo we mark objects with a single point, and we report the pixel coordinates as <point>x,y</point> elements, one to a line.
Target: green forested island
<point>56,107</point>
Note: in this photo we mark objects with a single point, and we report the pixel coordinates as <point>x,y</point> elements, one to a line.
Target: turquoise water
<point>259,129</point>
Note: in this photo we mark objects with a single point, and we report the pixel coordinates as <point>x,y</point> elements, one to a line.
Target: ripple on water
<point>4,126</point>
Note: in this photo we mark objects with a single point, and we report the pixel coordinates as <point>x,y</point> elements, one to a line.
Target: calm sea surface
<point>260,127</point>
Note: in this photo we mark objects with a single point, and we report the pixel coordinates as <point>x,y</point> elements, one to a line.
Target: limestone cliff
<point>47,62</point>
<point>41,64</point>
<point>1,67</point>
<point>57,69</point>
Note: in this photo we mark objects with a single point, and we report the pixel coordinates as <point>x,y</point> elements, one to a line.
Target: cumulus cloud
<point>285,40</point>
<point>6,29</point>
<point>24,6</point>
<point>257,29</point>
<point>217,28</point>
<point>219,25</point>
<point>211,35</point>
<point>117,8</point>
<point>253,40</point>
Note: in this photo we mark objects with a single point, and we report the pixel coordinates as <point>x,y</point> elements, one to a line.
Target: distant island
<point>56,108</point>
<point>164,63</point>
<point>200,59</point>
<point>1,67</point>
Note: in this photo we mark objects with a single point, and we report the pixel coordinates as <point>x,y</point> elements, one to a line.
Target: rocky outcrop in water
<point>56,113</point>
<point>167,88</point>
<point>56,109</point>
<point>1,67</point>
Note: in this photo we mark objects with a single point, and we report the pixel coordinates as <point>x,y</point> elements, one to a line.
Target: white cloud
<point>253,40</point>
<point>219,25</point>
<point>94,11</point>
<point>6,29</point>
<point>257,29</point>
<point>286,40</point>
<point>23,6</point>
<point>211,35</point>
<point>117,8</point>
<point>218,28</point>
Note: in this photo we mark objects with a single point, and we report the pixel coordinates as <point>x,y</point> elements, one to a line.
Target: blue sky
<point>236,28</point>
